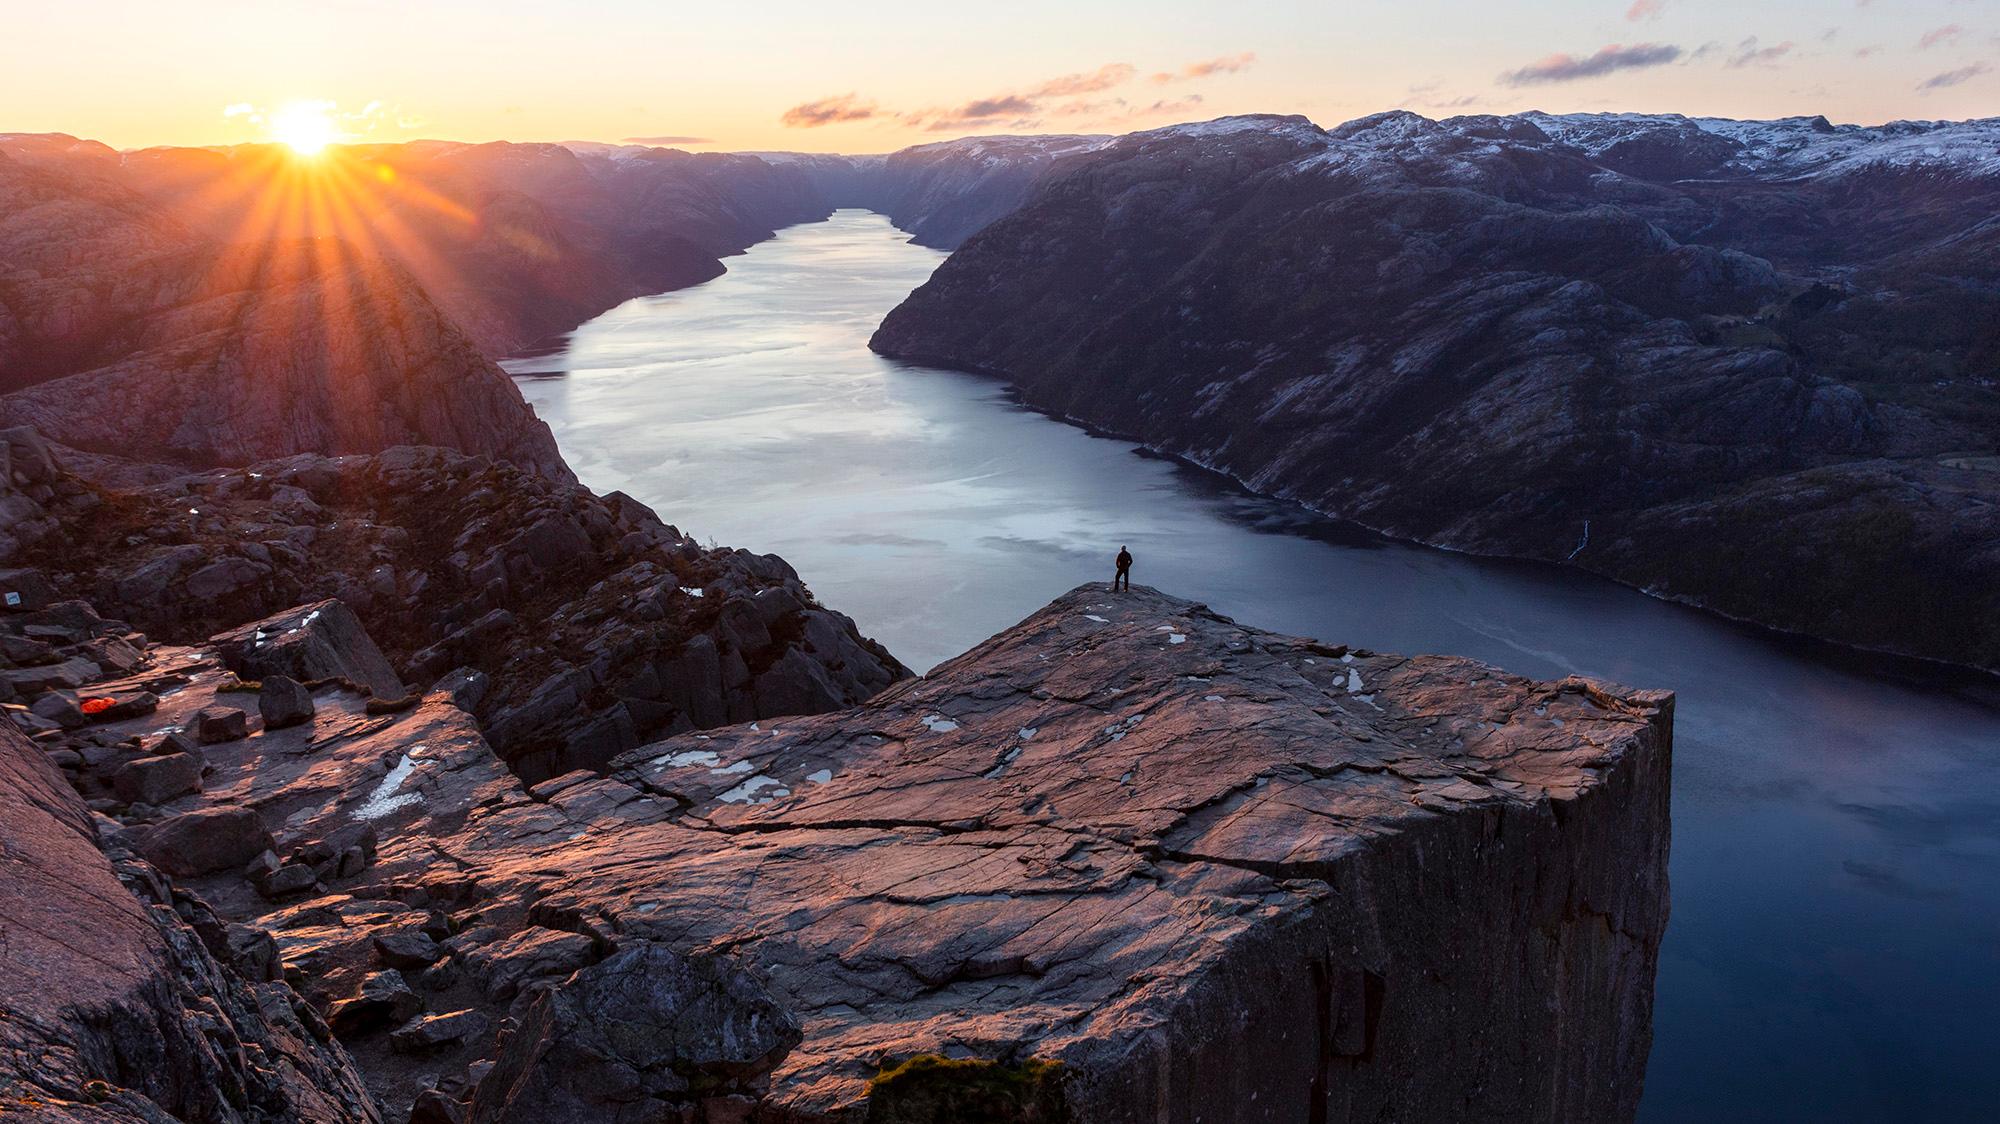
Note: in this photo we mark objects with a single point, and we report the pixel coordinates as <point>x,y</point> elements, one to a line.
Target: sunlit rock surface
<point>126,1000</point>
<point>1156,865</point>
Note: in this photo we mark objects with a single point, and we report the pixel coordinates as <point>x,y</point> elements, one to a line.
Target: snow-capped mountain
<point>1750,364</point>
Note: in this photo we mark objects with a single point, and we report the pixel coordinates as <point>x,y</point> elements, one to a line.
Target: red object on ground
<point>97,706</point>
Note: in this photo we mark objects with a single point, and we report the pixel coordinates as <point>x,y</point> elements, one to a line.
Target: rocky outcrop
<point>1127,860</point>
<point>129,1000</point>
<point>579,626</point>
<point>1767,389</point>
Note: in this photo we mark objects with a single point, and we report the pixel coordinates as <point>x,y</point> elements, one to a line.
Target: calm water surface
<point>1835,945</point>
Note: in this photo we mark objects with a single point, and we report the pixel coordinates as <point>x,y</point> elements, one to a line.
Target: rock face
<point>127,999</point>
<point>1125,861</point>
<point>1746,364</point>
<point>620,1039</point>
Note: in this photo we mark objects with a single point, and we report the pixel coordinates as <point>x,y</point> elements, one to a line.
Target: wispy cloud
<point>1223,64</point>
<point>1952,78</point>
<point>828,111</point>
<point>1020,107</point>
<point>1748,53</point>
<point>1940,36</point>
<point>1431,95</point>
<point>1069,85</point>
<point>1607,60</point>
<point>1645,10</point>
<point>1004,105</point>
<point>665,142</point>
<point>1067,95</point>
<point>1186,104</point>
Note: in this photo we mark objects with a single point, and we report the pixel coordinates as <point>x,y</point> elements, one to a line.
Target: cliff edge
<point>1127,860</point>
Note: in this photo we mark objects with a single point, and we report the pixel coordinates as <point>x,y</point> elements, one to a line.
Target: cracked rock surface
<point>1172,867</point>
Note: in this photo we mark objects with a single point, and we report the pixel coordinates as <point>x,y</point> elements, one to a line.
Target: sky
<point>872,77</point>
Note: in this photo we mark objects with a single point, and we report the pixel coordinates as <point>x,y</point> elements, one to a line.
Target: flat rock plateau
<point>1127,860</point>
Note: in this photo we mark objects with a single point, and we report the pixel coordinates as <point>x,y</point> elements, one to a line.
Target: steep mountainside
<point>1751,365</point>
<point>946,192</point>
<point>124,333</point>
<point>514,241</point>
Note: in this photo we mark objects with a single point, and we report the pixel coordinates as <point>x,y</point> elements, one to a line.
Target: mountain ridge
<point>1774,399</point>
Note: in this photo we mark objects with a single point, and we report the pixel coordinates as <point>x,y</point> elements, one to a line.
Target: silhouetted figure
<point>1124,578</point>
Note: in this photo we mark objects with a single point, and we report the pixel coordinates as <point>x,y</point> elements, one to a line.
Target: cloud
<point>1063,96</point>
<point>1866,52</point>
<point>1569,68</point>
<point>1175,105</point>
<point>1938,36</point>
<point>1069,85</point>
<point>1748,53</point>
<point>665,142</point>
<point>1223,64</point>
<point>828,111</point>
<point>1018,108</point>
<point>1645,10</point>
<point>1002,106</point>
<point>1954,77</point>
<point>1227,64</point>
<point>240,109</point>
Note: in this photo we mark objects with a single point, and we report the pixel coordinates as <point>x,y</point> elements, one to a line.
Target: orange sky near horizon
<point>792,75</point>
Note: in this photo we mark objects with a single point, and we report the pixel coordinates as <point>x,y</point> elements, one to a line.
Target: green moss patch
<point>929,1089</point>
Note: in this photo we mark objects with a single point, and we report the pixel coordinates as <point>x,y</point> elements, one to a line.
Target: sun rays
<point>317,237</point>
<point>306,127</point>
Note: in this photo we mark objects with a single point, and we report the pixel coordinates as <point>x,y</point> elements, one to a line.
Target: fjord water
<point>1834,951</point>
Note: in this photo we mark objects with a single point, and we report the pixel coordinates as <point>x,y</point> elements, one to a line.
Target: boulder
<point>224,577</point>
<point>412,950</point>
<point>286,881</point>
<point>384,998</point>
<point>505,965</point>
<point>214,724</point>
<point>431,1032</point>
<point>22,650</point>
<point>205,841</point>
<point>156,780</point>
<point>323,640</point>
<point>68,675</point>
<point>25,590</point>
<point>283,701</point>
<point>632,1038</point>
<point>61,708</point>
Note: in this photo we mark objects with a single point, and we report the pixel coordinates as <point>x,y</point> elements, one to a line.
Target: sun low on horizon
<point>305,127</point>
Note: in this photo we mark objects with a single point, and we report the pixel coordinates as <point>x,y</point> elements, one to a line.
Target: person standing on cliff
<point>1124,578</point>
